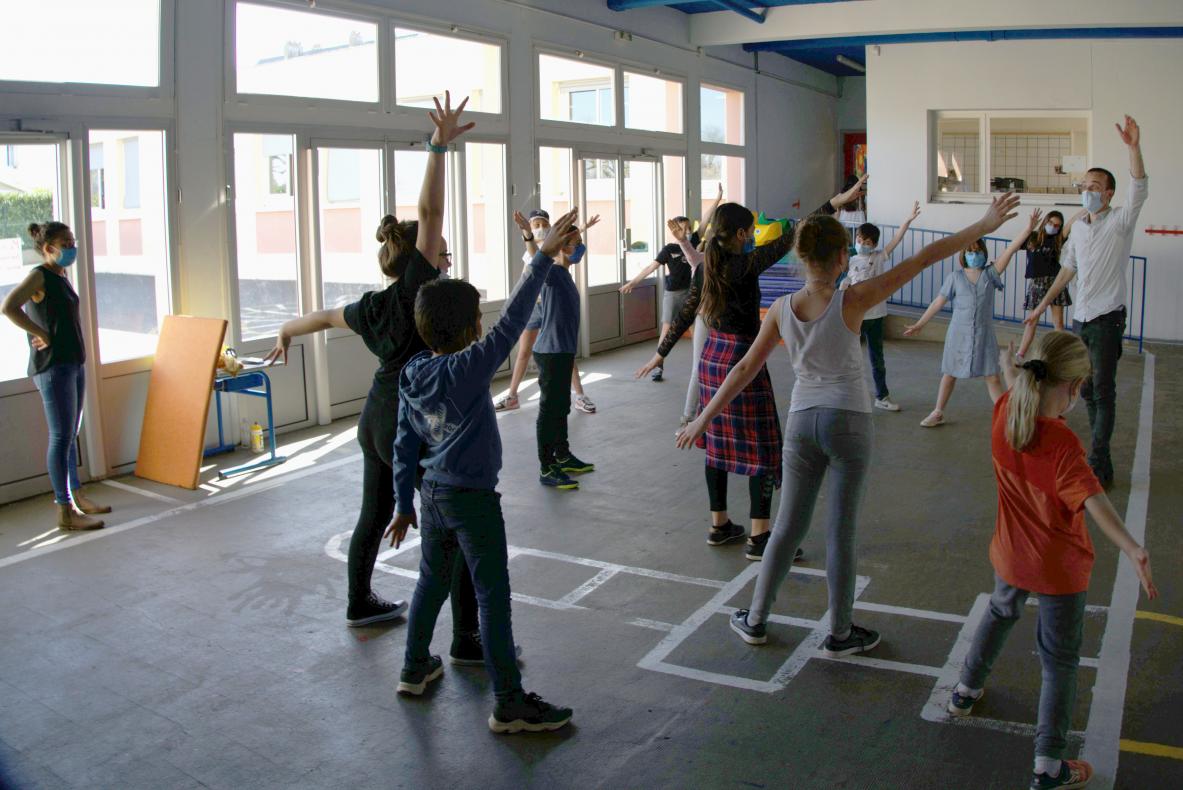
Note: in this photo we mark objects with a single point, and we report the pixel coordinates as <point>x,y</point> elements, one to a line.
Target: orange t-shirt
<point>1040,541</point>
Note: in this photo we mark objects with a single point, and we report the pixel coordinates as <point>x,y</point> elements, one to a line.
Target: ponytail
<point>1056,358</point>
<point>398,240</point>
<point>727,220</point>
<point>47,233</point>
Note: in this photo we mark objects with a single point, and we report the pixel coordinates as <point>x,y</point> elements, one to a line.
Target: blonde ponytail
<point>1056,358</point>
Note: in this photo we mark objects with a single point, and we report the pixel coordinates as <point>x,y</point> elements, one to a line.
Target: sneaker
<point>860,641</point>
<point>656,375</point>
<point>752,634</point>
<point>934,419</point>
<point>508,403</point>
<point>373,609</point>
<point>554,477</point>
<point>727,533</point>
<point>527,712</point>
<point>468,651</point>
<point>414,681</point>
<point>584,404</point>
<point>1073,773</point>
<point>754,549</point>
<point>572,465</point>
<point>962,704</point>
<point>887,404</point>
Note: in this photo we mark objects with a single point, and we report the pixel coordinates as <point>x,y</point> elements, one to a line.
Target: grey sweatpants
<point>817,440</point>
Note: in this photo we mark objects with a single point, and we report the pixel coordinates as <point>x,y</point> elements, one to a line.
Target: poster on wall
<point>854,154</point>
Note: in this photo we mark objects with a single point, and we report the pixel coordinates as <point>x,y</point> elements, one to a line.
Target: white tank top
<point>827,360</point>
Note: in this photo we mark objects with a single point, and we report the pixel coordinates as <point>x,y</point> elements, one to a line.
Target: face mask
<point>749,245</point>
<point>540,233</point>
<point>865,249</point>
<point>67,256</point>
<point>1091,201</point>
<point>975,260</point>
<point>577,255</point>
<point>1051,230</point>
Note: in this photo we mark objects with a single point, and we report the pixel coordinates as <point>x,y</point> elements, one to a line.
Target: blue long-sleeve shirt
<point>444,403</point>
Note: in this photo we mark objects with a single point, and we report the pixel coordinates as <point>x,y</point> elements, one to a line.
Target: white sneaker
<point>886,404</point>
<point>584,404</point>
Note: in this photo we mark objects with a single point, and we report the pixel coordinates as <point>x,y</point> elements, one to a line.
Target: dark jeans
<point>760,488</point>
<point>1103,337</point>
<point>464,522</point>
<point>1059,626</point>
<point>375,434</point>
<point>554,384</point>
<point>872,332</point>
<point>62,388</point>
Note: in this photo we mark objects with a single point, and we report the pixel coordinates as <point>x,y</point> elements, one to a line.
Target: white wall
<point>1108,78</point>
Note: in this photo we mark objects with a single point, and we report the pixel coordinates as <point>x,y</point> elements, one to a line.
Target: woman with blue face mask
<point>971,348</point>
<point>46,307</point>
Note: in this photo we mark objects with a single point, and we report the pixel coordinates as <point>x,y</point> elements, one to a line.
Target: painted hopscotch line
<point>1153,749</point>
<point>1170,619</point>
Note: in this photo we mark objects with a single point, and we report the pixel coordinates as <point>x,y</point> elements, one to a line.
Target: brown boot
<point>70,520</point>
<point>88,507</point>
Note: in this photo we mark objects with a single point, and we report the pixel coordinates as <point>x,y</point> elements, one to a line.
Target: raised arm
<point>1131,135</point>
<point>1020,241</point>
<point>937,305</point>
<point>1101,509</point>
<point>431,196</point>
<point>705,220</point>
<point>871,292</point>
<point>842,198</point>
<point>15,301</point>
<point>304,325</point>
<point>527,233</point>
<point>903,230</point>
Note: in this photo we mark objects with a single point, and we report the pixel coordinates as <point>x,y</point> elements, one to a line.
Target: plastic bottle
<point>257,442</point>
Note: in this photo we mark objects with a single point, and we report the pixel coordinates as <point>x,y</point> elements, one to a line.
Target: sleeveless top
<point>827,360</point>
<point>57,314</point>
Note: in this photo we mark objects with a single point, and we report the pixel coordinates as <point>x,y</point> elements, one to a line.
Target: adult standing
<point>1098,253</point>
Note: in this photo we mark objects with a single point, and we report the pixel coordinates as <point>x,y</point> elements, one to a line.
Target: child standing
<point>1043,264</point>
<point>444,410</point>
<point>1040,543</point>
<point>867,264</point>
<point>971,347</point>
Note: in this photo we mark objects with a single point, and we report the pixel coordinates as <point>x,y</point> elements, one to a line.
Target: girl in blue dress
<point>971,348</point>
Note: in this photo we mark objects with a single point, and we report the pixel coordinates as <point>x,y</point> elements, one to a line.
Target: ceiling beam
<point>742,10</point>
<point>628,5</point>
<point>789,47</point>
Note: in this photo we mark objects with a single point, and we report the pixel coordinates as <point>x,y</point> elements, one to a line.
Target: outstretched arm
<point>934,308</point>
<point>706,218</point>
<point>633,283</point>
<point>1019,242</point>
<point>903,230</point>
<point>304,325</point>
<point>1101,509</point>
<point>842,198</point>
<point>1131,135</point>
<point>431,196</point>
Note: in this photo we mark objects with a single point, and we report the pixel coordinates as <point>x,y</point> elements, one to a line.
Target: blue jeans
<point>1059,627</point>
<point>1103,337</point>
<point>872,332</point>
<point>464,521</point>
<point>817,440</point>
<point>62,388</point>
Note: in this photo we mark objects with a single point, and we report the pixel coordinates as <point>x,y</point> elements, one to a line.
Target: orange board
<point>173,435</point>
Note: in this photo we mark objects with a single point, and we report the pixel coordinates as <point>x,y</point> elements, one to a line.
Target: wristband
<point>436,149</point>
<point>528,239</point>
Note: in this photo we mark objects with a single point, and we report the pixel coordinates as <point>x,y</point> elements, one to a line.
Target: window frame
<point>449,31</point>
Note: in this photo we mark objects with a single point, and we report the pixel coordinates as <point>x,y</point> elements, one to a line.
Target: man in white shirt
<point>1098,253</point>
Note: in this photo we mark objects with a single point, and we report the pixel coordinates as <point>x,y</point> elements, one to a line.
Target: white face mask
<point>1091,201</point>
<point>540,232</point>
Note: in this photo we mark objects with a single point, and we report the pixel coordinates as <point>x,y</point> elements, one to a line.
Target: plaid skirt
<point>745,438</point>
<point>1037,288</point>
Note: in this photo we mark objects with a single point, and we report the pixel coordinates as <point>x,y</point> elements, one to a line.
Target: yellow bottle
<point>257,444</point>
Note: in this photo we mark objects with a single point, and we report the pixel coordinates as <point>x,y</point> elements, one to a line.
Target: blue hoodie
<point>444,403</point>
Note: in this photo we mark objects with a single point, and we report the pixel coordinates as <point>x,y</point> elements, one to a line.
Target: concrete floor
<point>200,642</point>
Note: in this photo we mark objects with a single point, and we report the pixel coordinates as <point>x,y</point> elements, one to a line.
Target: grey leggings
<point>700,339</point>
<point>816,440</point>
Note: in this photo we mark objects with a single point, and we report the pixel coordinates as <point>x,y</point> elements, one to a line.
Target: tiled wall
<point>965,148</point>
<point>1033,158</point>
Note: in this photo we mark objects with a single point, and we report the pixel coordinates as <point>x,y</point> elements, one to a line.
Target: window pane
<point>107,45</point>
<point>554,176</point>
<point>427,64</point>
<point>603,244</point>
<point>284,52</point>
<point>957,155</point>
<point>409,167</point>
<point>265,227</point>
<point>725,170</point>
<point>652,103</point>
<point>130,239</point>
<point>351,206</point>
<point>484,180</point>
<point>1036,154</point>
<point>640,216</point>
<point>572,90</point>
<point>37,199</point>
<point>98,185</point>
<point>721,115</point>
<point>673,171</point>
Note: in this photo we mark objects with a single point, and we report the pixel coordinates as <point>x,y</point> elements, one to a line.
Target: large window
<point>351,206</point>
<point>603,245</point>
<point>87,42</point>
<point>409,167</point>
<point>572,90</point>
<point>265,231</point>
<point>556,195</point>
<point>652,103</point>
<point>285,52</point>
<point>721,115</point>
<point>98,177</point>
<point>131,247</point>
<point>673,170</point>
<point>726,170</point>
<point>427,64</point>
<point>641,234</point>
<point>487,219</point>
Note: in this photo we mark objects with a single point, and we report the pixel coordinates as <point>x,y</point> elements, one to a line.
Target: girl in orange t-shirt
<point>1041,544</point>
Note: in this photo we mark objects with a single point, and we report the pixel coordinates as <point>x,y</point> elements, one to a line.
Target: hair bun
<point>1037,367</point>
<point>35,231</point>
<point>387,229</point>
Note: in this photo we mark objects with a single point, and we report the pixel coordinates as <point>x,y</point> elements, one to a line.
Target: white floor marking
<point>142,492</point>
<point>1102,743</point>
<point>882,663</point>
<point>588,586</point>
<point>656,625</point>
<point>923,614</point>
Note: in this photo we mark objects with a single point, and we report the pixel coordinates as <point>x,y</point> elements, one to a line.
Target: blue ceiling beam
<point>742,10</point>
<point>628,5</point>
<point>805,45</point>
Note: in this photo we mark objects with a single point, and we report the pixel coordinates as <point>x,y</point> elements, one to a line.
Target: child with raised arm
<point>867,264</point>
<point>444,411</point>
<point>1043,265</point>
<point>1041,545</point>
<point>971,347</point>
<point>829,421</point>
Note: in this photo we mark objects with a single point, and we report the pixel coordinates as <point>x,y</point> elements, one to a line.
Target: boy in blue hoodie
<point>444,409</point>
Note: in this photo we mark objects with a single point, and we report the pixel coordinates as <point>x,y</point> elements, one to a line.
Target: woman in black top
<point>412,253</point>
<point>46,307</point>
<point>1043,264</point>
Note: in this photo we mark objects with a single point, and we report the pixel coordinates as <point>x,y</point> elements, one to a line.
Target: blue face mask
<point>68,256</point>
<point>749,245</point>
<point>577,255</point>
<point>1091,201</point>
<point>1051,230</point>
<point>865,249</point>
<point>975,259</point>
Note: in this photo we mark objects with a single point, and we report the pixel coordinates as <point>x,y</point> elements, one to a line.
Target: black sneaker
<point>527,712</point>
<point>468,651</point>
<point>752,634</point>
<point>554,477</point>
<point>728,533</point>
<point>414,681</point>
<point>572,465</point>
<point>657,374</point>
<point>962,704</point>
<point>1073,773</point>
<point>373,609</point>
<point>860,641</point>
